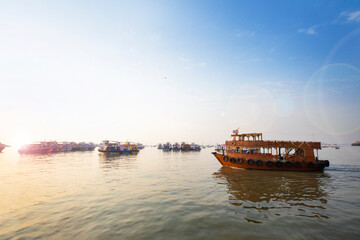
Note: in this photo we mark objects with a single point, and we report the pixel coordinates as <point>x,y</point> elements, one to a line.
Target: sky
<point>157,71</point>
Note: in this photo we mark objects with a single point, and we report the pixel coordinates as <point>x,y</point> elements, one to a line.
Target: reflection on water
<point>276,193</point>
<point>115,161</point>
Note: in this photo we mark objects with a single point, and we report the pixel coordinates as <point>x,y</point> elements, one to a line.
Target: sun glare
<point>19,141</point>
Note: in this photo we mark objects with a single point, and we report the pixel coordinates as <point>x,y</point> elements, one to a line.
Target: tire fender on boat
<point>269,164</point>
<point>239,161</point>
<point>327,163</point>
<point>311,165</point>
<point>232,160</point>
<point>226,158</point>
<point>297,164</point>
<point>259,163</point>
<point>278,164</point>
<point>250,162</point>
<point>288,164</point>
<point>321,165</point>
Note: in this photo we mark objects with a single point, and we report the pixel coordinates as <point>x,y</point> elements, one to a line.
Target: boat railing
<point>275,144</point>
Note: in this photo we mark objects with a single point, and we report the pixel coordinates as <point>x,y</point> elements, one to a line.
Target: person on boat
<point>245,150</point>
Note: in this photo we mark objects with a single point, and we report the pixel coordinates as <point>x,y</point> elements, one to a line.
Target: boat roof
<point>247,134</point>
<point>242,142</point>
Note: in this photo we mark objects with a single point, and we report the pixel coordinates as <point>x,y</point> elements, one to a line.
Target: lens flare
<point>331,98</point>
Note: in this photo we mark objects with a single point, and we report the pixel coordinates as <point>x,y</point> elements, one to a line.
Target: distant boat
<point>133,147</point>
<point>36,148</point>
<point>140,146</point>
<point>167,147</point>
<point>195,147</point>
<point>219,147</point>
<point>3,146</point>
<point>357,143</point>
<point>55,147</point>
<point>112,147</point>
<point>190,147</point>
<point>176,147</point>
<point>325,145</point>
<point>117,147</point>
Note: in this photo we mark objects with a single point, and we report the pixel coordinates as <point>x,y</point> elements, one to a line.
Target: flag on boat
<point>236,131</point>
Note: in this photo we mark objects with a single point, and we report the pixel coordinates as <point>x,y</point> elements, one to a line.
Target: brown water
<point>164,195</point>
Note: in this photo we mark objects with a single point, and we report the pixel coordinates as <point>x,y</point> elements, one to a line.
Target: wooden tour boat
<point>250,151</point>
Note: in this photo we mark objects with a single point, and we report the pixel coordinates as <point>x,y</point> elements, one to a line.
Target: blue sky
<point>154,71</point>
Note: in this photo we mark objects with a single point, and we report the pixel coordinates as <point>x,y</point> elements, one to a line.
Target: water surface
<point>163,195</point>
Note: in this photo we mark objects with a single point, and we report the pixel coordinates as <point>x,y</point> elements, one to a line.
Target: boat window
<point>299,152</point>
<point>291,151</point>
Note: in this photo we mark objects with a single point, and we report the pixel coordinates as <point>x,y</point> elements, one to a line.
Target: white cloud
<point>309,31</point>
<point>351,16</point>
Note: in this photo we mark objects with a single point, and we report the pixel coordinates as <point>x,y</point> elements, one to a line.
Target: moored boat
<point>167,147</point>
<point>176,147</point>
<point>81,146</point>
<point>195,147</point>
<point>55,147</point>
<point>140,146</point>
<point>185,147</point>
<point>357,143</point>
<point>117,147</point>
<point>66,147</point>
<point>37,148</point>
<point>250,151</point>
<point>190,147</point>
<point>133,147</point>
<point>111,147</point>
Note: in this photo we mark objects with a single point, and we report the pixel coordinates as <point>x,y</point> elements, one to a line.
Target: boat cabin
<point>253,144</point>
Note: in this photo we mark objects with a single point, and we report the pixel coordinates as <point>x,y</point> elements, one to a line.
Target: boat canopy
<point>256,140</point>
<point>243,136</point>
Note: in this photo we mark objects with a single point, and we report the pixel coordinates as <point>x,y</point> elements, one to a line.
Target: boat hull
<point>271,165</point>
<point>32,151</point>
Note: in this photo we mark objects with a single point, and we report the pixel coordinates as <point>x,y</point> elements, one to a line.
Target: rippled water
<point>164,195</point>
